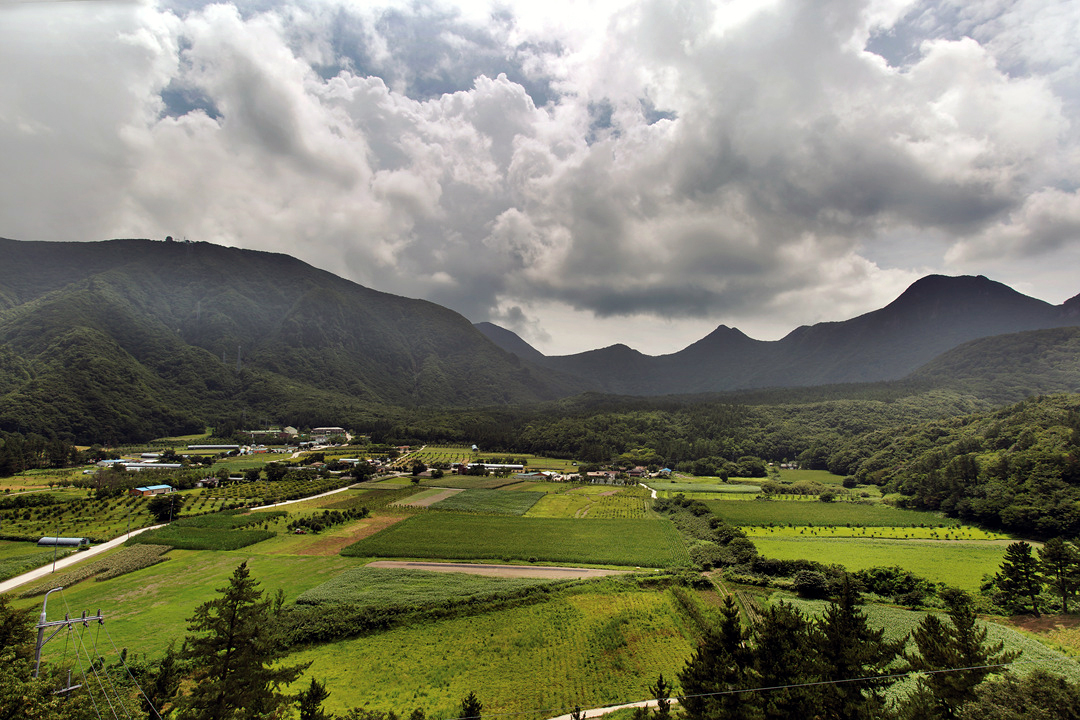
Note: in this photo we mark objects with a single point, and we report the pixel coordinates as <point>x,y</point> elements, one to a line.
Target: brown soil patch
<point>1046,623</point>
<point>334,545</point>
<point>609,493</point>
<point>531,571</point>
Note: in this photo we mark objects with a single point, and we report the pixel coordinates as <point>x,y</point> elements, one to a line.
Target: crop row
<point>493,502</point>
<point>645,543</point>
<point>201,538</point>
<point>126,560</point>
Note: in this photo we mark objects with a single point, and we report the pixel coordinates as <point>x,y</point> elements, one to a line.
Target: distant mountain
<point>509,341</point>
<point>932,316</point>
<point>131,339</point>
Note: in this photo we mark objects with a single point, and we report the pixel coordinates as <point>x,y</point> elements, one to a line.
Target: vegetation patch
<point>960,565</point>
<point>590,648</point>
<point>18,564</point>
<point>683,487</point>
<point>493,502</point>
<point>782,512</point>
<point>126,560</point>
<point>201,538</point>
<point>644,543</point>
<point>381,587</point>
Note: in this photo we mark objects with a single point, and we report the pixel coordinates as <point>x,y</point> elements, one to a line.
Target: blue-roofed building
<point>152,490</point>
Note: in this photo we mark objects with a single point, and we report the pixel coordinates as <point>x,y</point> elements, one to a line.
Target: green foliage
<point>164,508</point>
<point>201,538</point>
<point>645,543</point>
<point>1019,580</point>
<point>1039,695</point>
<point>785,512</point>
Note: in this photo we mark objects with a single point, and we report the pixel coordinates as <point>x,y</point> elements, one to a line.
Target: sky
<point>582,173</point>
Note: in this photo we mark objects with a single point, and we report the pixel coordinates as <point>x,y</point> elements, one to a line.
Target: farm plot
<point>427,498</point>
<point>644,543</point>
<point>875,531</point>
<point>781,512</point>
<point>489,502</point>
<point>590,648</point>
<point>384,587</point>
<point>960,564</point>
<point>96,519</point>
<point>115,564</point>
<point>469,482</point>
<point>19,557</point>
<point>594,502</point>
<point>218,531</point>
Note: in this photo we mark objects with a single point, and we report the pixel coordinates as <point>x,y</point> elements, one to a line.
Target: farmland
<point>594,502</point>
<point>497,502</point>
<point>645,543</point>
<point>961,564</point>
<point>589,648</point>
<point>781,512</point>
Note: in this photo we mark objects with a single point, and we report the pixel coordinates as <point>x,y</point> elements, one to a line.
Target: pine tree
<point>784,654</point>
<point>233,650</point>
<point>1019,577</point>
<point>855,658</point>
<point>662,692</point>
<point>721,664</point>
<point>471,707</point>
<point>961,643</point>
<point>311,700</point>
<point>1059,562</point>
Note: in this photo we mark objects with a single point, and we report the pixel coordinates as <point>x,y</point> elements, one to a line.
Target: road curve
<point>597,712</point>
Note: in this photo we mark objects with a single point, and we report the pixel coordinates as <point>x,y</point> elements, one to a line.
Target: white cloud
<point>579,171</point>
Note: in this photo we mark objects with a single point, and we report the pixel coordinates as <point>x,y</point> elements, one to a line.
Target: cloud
<point>625,161</point>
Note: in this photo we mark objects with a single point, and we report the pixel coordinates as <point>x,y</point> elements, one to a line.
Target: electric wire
<point>108,676</point>
<point>104,693</point>
<point>86,681</point>
<point>123,662</point>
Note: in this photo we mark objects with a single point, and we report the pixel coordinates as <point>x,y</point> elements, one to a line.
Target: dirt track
<point>531,571</point>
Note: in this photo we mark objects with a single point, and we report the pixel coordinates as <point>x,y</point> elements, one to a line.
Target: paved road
<point>305,499</point>
<point>62,563</point>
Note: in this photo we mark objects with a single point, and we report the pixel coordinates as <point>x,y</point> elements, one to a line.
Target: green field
<point>19,557</point>
<point>960,564</point>
<point>782,512</point>
<point>380,587</point>
<point>634,543</point>
<point>588,649</point>
<point>594,502</point>
<point>494,502</point>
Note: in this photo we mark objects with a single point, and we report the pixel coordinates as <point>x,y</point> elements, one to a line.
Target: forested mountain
<point>131,339</point>
<point>932,316</point>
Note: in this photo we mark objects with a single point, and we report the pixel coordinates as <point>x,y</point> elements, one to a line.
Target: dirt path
<point>530,571</point>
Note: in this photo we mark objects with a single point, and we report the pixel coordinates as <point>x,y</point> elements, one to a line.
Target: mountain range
<point>132,339</point>
<point>935,314</point>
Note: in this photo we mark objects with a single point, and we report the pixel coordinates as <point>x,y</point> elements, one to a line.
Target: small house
<point>152,490</point>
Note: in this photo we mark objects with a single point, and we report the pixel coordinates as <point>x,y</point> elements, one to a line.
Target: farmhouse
<point>152,490</point>
<point>328,431</point>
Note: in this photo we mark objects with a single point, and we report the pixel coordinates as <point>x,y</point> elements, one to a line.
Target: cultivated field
<point>794,513</point>
<point>644,543</point>
<point>594,502</point>
<point>584,648</point>
<point>960,564</point>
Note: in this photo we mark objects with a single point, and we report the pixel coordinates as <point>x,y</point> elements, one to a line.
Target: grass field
<point>19,557</point>
<point>494,502</point>
<point>587,649</point>
<point>672,488</point>
<point>780,512</point>
<point>960,564</point>
<point>469,482</point>
<point>634,543</point>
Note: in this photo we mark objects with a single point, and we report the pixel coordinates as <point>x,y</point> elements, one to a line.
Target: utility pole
<point>67,622</point>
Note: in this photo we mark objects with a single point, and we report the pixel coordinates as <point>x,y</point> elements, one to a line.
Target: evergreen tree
<point>721,664</point>
<point>311,700</point>
<point>855,658</point>
<point>1019,578</point>
<point>161,684</point>
<point>1038,695</point>
<point>785,648</point>
<point>232,650</point>
<point>471,707</point>
<point>961,643</point>
<point>1059,562</point>
<point>662,692</point>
